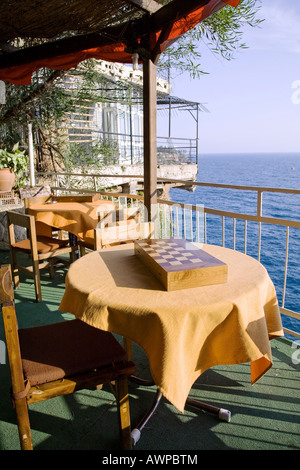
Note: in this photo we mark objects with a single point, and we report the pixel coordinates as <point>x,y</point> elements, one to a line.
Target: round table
<point>183,332</point>
<point>78,218</point>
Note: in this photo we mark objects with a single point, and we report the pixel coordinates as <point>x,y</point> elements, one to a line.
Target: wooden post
<point>150,139</point>
<point>14,355</point>
<point>123,411</point>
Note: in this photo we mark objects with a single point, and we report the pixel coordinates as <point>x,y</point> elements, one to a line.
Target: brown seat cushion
<point>64,349</point>
<point>44,244</point>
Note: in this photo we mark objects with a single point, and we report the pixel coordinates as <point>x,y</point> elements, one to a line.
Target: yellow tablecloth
<point>79,218</point>
<point>182,332</point>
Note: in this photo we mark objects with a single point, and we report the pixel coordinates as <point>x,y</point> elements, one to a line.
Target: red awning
<point>115,51</point>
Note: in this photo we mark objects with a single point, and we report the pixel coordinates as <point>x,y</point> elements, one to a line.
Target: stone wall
<point>20,232</point>
<point>177,172</point>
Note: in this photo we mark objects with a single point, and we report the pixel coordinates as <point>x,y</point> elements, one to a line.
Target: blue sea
<point>277,170</point>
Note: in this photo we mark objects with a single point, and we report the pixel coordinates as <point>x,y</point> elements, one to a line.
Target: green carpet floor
<point>265,416</point>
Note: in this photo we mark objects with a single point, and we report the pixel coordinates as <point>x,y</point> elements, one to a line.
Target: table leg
<point>223,415</point>
<point>136,432</point>
<point>140,381</point>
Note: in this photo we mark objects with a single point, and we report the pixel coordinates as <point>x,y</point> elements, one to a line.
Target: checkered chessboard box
<point>178,264</point>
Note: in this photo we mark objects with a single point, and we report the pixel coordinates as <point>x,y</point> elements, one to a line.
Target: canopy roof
<point>70,31</point>
<point>51,18</point>
<point>74,30</point>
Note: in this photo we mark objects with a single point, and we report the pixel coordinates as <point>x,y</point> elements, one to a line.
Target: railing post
<point>259,203</point>
<point>259,214</point>
<point>285,265</point>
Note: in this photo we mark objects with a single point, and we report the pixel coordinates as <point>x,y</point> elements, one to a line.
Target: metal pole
<point>31,155</point>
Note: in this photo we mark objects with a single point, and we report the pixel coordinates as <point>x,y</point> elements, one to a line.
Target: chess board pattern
<point>172,255</point>
<point>178,263</point>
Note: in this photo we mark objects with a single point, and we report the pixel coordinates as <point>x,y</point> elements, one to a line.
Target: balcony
<point>264,416</point>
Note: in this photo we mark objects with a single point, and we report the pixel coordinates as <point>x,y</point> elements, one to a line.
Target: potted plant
<point>13,166</point>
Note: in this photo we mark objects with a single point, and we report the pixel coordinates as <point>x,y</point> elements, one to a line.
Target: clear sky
<point>252,104</point>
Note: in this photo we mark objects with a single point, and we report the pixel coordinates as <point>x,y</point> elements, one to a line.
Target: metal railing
<point>190,222</point>
<point>129,148</point>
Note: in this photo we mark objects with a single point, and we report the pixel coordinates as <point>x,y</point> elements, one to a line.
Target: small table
<point>183,332</point>
<point>78,218</point>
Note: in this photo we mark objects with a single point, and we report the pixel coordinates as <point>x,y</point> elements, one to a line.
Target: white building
<point>118,118</point>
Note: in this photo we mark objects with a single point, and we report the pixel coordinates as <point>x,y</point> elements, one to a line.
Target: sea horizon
<point>280,170</point>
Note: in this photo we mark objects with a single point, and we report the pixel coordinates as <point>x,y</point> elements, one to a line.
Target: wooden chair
<point>40,228</point>
<point>42,250</point>
<point>30,201</point>
<point>45,230</point>
<point>59,359</point>
<point>116,227</point>
<point>110,236</point>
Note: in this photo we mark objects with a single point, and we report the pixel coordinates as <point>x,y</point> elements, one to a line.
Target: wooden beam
<point>150,140</point>
<point>48,50</point>
<point>147,5</point>
<point>173,11</point>
<point>162,37</point>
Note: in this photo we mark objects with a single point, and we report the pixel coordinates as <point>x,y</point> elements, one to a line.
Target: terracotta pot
<point>7,179</point>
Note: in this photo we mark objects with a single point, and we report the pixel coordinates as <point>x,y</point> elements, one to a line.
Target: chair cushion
<point>64,349</point>
<point>44,244</point>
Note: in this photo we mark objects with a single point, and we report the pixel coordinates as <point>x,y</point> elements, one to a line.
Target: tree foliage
<point>222,33</point>
<point>46,104</point>
<point>46,101</point>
